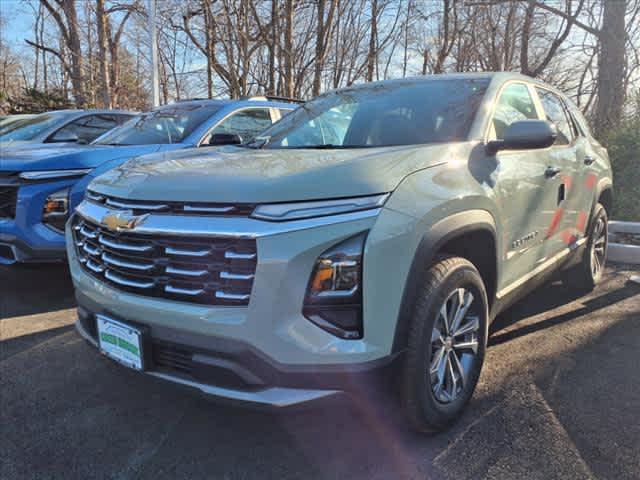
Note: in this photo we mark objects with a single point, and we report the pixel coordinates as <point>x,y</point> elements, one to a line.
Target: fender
<point>438,235</point>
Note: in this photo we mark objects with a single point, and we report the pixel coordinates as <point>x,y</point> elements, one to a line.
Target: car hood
<point>234,174</point>
<point>24,144</point>
<point>14,143</point>
<point>58,157</point>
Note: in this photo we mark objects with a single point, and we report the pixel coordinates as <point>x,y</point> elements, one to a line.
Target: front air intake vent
<point>8,201</point>
<point>140,207</point>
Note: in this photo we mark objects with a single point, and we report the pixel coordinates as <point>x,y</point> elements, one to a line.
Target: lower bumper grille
<point>173,358</point>
<point>8,201</point>
<point>213,271</point>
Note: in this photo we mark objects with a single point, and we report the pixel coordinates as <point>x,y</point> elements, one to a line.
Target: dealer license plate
<point>120,342</point>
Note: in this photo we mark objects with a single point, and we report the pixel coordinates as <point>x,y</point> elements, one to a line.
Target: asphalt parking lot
<point>559,398</point>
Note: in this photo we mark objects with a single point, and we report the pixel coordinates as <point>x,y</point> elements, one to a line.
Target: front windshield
<point>29,128</point>
<point>166,125</point>
<point>407,112</point>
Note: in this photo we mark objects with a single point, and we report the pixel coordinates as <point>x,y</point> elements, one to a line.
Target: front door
<point>525,190</point>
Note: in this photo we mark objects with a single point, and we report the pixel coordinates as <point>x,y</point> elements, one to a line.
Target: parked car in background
<point>374,233</point>
<point>40,186</point>
<point>6,120</point>
<point>62,126</point>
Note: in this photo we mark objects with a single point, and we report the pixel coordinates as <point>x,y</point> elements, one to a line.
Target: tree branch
<point>51,51</point>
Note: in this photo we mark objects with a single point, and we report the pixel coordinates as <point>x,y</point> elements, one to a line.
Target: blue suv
<point>40,186</point>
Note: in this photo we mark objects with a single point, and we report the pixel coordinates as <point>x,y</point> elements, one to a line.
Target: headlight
<point>56,210</point>
<point>49,174</point>
<point>334,295</point>
<point>278,212</point>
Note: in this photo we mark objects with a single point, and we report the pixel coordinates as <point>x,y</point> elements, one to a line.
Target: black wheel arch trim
<point>604,185</point>
<point>438,235</point>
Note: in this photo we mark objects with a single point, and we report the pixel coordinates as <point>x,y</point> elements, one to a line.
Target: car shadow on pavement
<point>594,394</point>
<point>13,346</point>
<point>549,297</point>
<point>33,289</point>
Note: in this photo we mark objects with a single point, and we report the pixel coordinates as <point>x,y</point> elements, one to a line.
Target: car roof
<point>499,77</point>
<point>91,111</point>
<point>242,102</point>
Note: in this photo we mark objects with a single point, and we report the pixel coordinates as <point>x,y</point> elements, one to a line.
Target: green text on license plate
<point>120,341</point>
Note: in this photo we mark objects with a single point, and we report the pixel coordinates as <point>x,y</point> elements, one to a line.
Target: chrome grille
<point>139,207</point>
<point>213,271</point>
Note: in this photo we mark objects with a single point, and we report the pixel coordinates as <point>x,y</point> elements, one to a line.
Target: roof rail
<point>274,98</point>
<point>195,99</point>
<point>284,99</point>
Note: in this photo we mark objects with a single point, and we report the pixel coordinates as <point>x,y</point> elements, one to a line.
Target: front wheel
<point>446,345</point>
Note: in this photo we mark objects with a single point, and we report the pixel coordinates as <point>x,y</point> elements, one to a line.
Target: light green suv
<point>370,236</point>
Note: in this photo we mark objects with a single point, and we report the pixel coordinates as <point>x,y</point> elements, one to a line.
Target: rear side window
<point>86,129</point>
<point>581,124</point>
<point>556,113</point>
<point>515,104</point>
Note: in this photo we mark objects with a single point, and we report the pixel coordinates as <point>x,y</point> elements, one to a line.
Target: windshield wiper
<point>256,143</point>
<point>328,146</point>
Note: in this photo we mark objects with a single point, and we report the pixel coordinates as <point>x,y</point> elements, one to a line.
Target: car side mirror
<point>65,137</point>
<point>525,135</point>
<point>225,139</point>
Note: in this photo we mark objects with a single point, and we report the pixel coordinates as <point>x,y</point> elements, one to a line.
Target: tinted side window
<point>86,128</point>
<point>246,123</point>
<point>555,112</point>
<point>514,104</point>
<point>120,119</point>
<point>578,127</point>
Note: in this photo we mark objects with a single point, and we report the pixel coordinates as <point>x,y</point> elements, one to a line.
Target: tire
<point>431,401</point>
<point>587,274</point>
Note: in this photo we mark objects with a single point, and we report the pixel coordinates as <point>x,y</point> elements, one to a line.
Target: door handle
<point>551,172</point>
<point>589,160</point>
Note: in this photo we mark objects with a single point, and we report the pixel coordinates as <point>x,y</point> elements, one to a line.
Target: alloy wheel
<point>598,248</point>
<point>454,346</point>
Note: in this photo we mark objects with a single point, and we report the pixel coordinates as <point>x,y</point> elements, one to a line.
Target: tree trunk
<point>114,74</point>
<point>611,67</point>
<point>210,44</point>
<point>69,8</point>
<point>288,48</point>
<point>319,60</point>
<point>272,47</point>
<point>372,55</point>
<point>405,51</point>
<point>105,84</point>
<point>45,68</point>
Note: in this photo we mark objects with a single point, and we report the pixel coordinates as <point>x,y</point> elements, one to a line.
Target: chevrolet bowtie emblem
<point>118,221</point>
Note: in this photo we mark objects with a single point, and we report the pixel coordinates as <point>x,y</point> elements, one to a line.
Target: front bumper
<point>234,371</point>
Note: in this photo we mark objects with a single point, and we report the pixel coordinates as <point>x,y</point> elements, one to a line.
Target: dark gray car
<point>62,126</point>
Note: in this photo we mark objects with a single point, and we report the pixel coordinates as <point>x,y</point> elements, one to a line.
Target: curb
<point>624,242</point>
